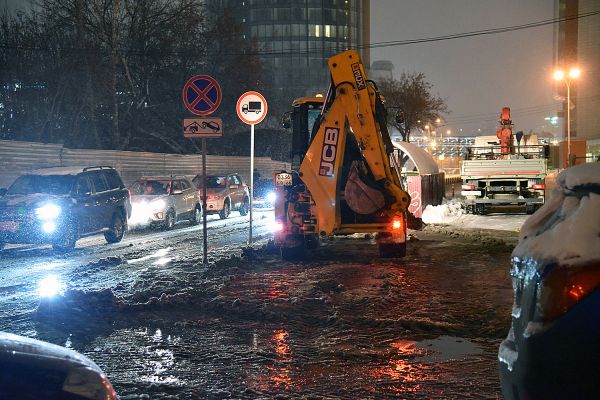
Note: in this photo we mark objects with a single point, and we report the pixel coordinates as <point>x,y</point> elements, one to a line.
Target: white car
<point>164,201</point>
<point>32,369</point>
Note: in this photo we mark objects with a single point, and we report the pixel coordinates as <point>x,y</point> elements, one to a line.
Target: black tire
<point>392,250</point>
<point>68,240</point>
<point>224,213</point>
<point>293,253</point>
<point>169,221</point>
<point>530,209</point>
<point>312,242</point>
<point>196,215</point>
<point>117,229</point>
<point>245,207</point>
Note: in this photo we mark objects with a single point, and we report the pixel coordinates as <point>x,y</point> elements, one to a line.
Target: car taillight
<point>468,187</point>
<point>563,288</point>
<point>538,186</point>
<point>396,224</point>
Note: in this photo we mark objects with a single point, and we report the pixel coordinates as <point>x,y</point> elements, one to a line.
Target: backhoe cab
<point>344,177</point>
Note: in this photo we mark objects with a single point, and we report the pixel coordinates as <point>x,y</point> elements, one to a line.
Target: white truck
<point>501,170</point>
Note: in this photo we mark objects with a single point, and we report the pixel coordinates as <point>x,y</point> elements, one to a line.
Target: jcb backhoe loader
<point>344,177</point>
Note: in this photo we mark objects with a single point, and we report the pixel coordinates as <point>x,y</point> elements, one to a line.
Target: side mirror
<point>3,191</point>
<point>176,191</point>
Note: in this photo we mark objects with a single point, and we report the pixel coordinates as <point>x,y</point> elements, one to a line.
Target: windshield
<point>211,181</point>
<point>312,117</point>
<point>151,188</point>
<point>44,184</point>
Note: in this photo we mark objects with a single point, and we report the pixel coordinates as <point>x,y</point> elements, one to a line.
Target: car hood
<point>565,228</point>
<point>19,346</point>
<point>29,200</point>
<point>144,198</point>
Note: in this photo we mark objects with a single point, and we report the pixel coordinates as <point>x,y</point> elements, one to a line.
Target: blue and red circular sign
<point>201,95</point>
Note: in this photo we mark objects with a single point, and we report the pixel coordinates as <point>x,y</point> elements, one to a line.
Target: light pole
<point>560,75</point>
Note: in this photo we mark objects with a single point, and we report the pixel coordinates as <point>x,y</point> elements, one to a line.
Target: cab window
<point>99,182</point>
<point>113,179</point>
<point>82,186</point>
<point>176,186</point>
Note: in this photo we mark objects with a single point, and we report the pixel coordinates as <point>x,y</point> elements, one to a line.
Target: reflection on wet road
<point>163,326</point>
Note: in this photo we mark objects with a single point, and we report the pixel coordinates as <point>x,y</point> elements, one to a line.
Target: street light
<point>560,75</point>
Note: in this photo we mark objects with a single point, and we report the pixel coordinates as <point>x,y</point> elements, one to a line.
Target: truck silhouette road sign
<point>252,106</point>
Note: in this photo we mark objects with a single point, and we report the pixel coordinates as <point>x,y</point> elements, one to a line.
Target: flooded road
<point>342,324</point>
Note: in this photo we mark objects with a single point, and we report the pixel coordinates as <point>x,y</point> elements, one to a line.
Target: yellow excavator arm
<point>352,109</point>
<point>347,179</point>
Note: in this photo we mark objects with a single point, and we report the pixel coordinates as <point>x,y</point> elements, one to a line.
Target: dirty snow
<point>452,213</point>
<point>567,228</point>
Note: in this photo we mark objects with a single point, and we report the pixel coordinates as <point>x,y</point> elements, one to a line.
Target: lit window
<point>318,30</point>
<point>327,30</point>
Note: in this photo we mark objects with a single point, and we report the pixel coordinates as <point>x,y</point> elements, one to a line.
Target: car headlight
<point>271,197</point>
<point>158,205</point>
<point>48,212</point>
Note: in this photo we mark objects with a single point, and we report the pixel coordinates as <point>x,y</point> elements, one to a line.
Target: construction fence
<point>17,158</point>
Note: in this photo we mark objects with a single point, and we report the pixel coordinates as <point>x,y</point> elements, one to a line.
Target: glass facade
<point>296,37</point>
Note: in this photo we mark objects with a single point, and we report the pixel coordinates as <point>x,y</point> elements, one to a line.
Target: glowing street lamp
<point>560,75</point>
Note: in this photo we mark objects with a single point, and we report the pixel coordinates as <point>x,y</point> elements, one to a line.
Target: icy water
<point>343,324</point>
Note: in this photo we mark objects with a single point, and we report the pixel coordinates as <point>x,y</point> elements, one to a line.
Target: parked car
<point>59,205</point>
<point>164,201</point>
<point>553,349</point>
<point>32,370</point>
<point>225,193</point>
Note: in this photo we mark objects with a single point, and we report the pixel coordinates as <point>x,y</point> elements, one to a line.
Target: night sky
<point>477,75</point>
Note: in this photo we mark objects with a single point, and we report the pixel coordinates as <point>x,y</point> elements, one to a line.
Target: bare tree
<point>409,100</point>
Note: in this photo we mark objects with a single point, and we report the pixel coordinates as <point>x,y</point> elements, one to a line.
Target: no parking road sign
<point>201,95</point>
<point>252,108</point>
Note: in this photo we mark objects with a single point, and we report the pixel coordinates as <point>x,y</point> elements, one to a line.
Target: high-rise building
<point>296,37</point>
<point>577,43</point>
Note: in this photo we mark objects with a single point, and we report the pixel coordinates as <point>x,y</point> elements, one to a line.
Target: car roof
<point>14,345</point>
<point>64,170</point>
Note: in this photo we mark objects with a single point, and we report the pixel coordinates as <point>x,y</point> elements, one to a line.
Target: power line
<point>485,31</point>
<point>320,51</point>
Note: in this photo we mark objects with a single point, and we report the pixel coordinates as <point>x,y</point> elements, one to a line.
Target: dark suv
<point>59,205</point>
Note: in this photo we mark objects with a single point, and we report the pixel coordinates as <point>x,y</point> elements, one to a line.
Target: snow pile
<point>567,228</point>
<point>445,213</point>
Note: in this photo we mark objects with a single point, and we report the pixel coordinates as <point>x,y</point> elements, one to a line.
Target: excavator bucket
<point>360,197</point>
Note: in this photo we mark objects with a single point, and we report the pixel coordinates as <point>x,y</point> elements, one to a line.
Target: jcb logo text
<point>330,143</point>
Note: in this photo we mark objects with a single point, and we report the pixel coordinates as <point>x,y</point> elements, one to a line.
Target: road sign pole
<point>251,180</point>
<point>252,109</point>
<point>204,231</point>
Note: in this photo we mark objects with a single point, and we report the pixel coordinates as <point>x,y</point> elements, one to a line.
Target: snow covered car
<point>31,369</point>
<point>164,200</point>
<point>553,348</point>
<point>61,204</point>
<point>225,193</point>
